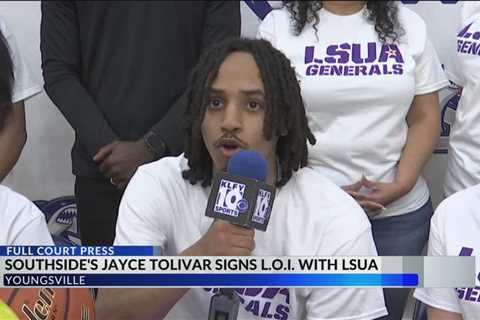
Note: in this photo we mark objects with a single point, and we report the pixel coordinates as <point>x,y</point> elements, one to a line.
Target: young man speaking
<point>243,94</point>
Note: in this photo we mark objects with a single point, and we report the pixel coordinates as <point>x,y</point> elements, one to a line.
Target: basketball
<point>48,303</point>
<point>6,313</point>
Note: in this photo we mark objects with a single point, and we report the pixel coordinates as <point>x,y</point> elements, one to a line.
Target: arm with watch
<point>119,160</point>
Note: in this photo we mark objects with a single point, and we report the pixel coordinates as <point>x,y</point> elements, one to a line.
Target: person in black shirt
<point>116,70</point>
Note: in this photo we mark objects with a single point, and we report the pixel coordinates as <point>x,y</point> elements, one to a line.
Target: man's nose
<point>232,118</point>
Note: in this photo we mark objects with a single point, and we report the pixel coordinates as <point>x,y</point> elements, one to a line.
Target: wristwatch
<point>155,145</point>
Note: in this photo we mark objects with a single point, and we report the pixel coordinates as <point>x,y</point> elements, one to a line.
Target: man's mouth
<point>229,147</point>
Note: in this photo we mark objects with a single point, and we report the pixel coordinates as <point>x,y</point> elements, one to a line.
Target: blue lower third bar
<point>211,280</point>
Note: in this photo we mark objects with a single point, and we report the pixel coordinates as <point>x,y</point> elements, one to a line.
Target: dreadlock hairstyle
<point>284,114</point>
<point>384,14</point>
<point>6,80</point>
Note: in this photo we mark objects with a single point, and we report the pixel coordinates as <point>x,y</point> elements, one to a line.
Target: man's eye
<point>215,103</point>
<point>253,105</point>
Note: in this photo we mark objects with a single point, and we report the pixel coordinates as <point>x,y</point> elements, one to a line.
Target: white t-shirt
<point>358,93</point>
<point>463,168</point>
<point>21,222</point>
<point>310,216</point>
<point>455,230</point>
<point>25,85</point>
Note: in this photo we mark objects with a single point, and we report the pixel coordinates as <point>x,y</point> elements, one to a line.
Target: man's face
<point>236,111</point>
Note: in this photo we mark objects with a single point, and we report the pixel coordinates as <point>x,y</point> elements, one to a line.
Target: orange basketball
<point>50,303</point>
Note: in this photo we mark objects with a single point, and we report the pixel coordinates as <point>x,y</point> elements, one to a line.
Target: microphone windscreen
<point>248,164</point>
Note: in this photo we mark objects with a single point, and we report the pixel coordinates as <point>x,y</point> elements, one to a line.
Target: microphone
<point>241,197</point>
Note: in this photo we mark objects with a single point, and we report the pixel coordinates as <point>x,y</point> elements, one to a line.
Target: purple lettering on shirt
<point>281,312</point>
<point>361,70</point>
<point>309,51</point>
<point>474,48</point>
<point>390,51</point>
<point>253,307</point>
<point>465,252</point>
<point>465,45</point>
<point>472,295</point>
<point>348,71</point>
<point>312,70</point>
<point>372,52</point>
<point>336,70</point>
<point>333,50</point>
<point>464,32</point>
<point>356,53</point>
<point>252,292</point>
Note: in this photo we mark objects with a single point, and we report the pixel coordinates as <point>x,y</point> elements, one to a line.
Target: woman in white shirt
<point>16,85</point>
<point>369,77</point>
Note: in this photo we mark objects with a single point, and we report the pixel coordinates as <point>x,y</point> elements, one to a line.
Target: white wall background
<point>44,169</point>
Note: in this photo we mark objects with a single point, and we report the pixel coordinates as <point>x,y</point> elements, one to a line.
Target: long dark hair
<point>285,116</point>
<point>6,79</point>
<point>384,15</point>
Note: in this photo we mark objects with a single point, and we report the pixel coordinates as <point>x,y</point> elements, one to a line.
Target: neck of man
<point>343,8</point>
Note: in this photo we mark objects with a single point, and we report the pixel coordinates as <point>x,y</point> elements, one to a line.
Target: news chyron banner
<point>143,266</point>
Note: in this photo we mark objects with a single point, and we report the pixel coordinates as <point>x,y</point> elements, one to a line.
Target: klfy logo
<point>262,209</point>
<point>230,199</point>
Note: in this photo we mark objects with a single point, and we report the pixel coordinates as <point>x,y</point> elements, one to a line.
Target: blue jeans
<point>403,235</point>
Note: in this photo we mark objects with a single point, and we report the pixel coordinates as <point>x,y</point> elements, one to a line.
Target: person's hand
<point>225,239</point>
<point>120,159</point>
<point>374,196</point>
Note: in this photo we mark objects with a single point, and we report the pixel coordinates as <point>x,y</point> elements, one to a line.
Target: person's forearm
<point>61,65</point>
<point>170,129</point>
<point>81,112</point>
<point>423,132</point>
<point>437,314</point>
<point>12,138</point>
<point>130,304</point>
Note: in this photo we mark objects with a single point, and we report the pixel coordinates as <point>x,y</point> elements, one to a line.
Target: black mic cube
<point>241,201</point>
<point>224,305</point>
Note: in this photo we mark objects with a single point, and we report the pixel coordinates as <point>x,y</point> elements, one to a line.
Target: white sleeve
<point>266,30</point>
<point>25,85</point>
<point>451,62</point>
<point>144,216</point>
<point>453,70</point>
<point>429,75</point>
<point>34,230</point>
<point>440,298</point>
<point>348,303</point>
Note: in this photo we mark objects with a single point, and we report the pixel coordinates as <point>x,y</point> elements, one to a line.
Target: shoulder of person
<point>165,168</point>
<point>329,200</point>
<point>278,18</point>
<point>409,18</point>
<point>166,175</point>
<point>13,204</point>
<point>414,26</point>
<point>469,11</point>
<point>458,207</point>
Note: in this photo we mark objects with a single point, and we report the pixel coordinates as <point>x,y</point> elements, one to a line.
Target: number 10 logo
<point>262,208</point>
<point>229,198</point>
